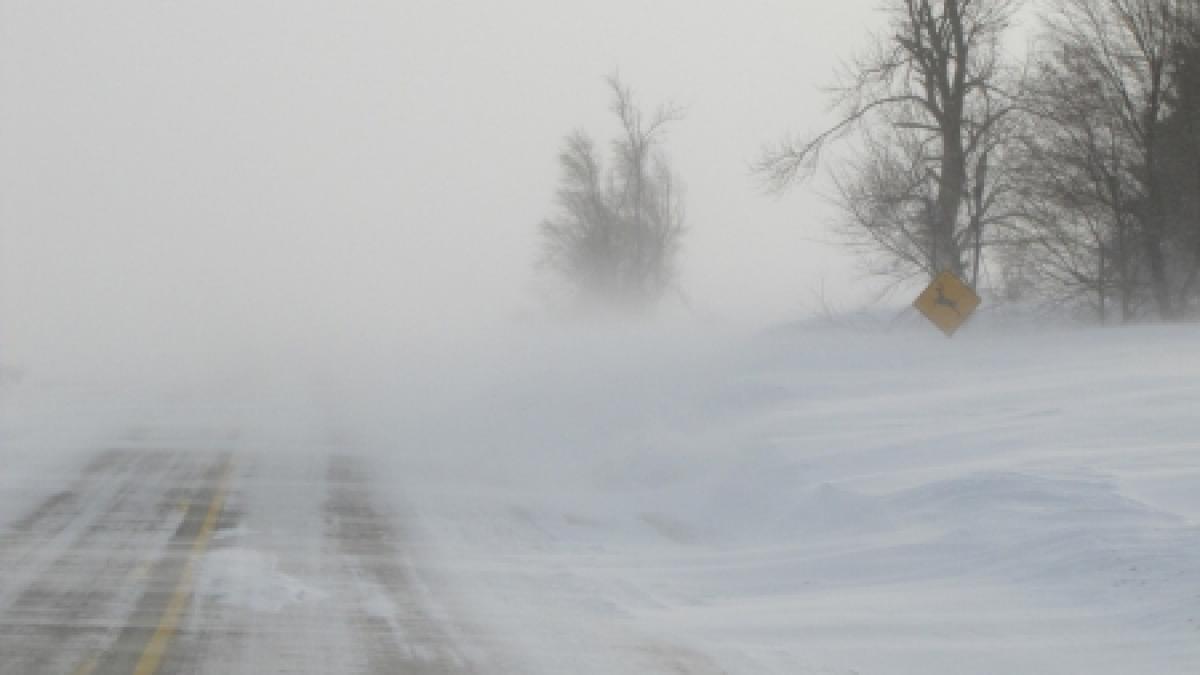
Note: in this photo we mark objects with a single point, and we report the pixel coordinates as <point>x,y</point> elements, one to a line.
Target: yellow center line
<point>156,648</point>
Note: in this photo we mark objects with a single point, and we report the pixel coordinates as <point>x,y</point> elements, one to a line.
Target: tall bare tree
<point>1179,138</point>
<point>1077,195</point>
<point>935,84</point>
<point>1111,146</point>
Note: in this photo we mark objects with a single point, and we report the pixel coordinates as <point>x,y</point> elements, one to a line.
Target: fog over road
<point>162,559</point>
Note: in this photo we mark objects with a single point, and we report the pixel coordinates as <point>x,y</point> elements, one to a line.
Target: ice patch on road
<point>251,579</point>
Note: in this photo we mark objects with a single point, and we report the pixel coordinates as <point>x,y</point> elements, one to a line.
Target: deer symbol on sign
<point>943,301</point>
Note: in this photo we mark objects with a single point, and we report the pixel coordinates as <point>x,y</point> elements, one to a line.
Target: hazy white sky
<point>226,173</point>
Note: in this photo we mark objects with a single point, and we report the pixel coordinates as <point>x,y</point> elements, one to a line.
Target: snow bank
<point>826,500</point>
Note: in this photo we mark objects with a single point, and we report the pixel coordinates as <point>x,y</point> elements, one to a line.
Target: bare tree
<point>935,83</point>
<point>886,198</point>
<point>1179,138</point>
<point>1100,155</point>
<point>1075,171</point>
<point>617,231</point>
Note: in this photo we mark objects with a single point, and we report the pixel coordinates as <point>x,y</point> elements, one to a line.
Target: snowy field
<point>817,499</point>
<point>829,500</point>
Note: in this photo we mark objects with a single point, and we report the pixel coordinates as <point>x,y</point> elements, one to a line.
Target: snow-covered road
<point>155,560</point>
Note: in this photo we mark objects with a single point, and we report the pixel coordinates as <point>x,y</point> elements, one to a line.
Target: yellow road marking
<point>152,655</point>
<point>87,667</point>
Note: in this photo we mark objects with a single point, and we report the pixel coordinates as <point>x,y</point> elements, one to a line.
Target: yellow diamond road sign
<point>948,302</point>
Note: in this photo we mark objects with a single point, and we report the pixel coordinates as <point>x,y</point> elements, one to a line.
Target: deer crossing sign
<point>948,302</point>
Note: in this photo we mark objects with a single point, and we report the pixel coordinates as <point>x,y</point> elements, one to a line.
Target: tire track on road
<point>396,631</point>
<point>58,590</point>
<point>54,523</point>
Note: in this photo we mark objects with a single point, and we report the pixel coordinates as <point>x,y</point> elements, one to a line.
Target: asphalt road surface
<point>166,560</point>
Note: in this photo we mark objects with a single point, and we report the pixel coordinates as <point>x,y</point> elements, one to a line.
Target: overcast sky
<point>226,173</point>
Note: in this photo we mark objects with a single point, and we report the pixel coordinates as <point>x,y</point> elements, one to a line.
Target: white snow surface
<point>825,499</point>
<point>870,499</point>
